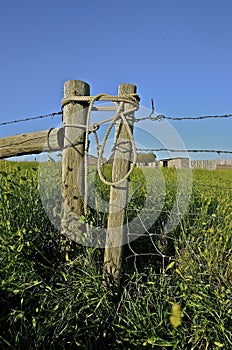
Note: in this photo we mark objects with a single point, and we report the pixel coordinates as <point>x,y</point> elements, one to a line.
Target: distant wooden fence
<point>63,139</point>
<point>212,164</point>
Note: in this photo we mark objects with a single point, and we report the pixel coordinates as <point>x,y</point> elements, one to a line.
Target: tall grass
<point>53,298</point>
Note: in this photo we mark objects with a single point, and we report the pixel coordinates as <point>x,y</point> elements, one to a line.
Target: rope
<point>120,114</point>
<point>128,98</point>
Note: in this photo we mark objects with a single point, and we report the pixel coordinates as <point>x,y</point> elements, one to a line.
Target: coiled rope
<point>120,114</point>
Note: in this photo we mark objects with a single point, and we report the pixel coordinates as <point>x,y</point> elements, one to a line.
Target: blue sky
<point>178,52</point>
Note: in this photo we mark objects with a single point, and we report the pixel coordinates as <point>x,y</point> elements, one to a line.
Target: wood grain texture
<point>31,143</point>
<point>116,238</point>
<point>73,161</point>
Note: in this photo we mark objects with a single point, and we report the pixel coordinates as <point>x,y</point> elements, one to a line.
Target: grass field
<point>54,298</point>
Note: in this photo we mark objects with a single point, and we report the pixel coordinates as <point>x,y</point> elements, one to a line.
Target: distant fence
<point>209,164</point>
<point>212,164</point>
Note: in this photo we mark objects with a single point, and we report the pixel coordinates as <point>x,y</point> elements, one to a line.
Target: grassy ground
<point>52,298</point>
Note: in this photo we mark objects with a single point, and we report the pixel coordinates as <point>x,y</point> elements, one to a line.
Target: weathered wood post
<point>31,143</point>
<point>115,237</point>
<point>74,113</point>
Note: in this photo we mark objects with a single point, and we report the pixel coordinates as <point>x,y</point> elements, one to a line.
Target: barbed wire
<point>31,118</point>
<point>200,117</point>
<point>182,150</point>
<point>159,117</point>
<point>141,149</point>
<point>138,149</point>
<point>150,118</point>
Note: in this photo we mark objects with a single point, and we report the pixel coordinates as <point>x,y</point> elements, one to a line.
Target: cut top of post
<point>127,89</point>
<point>76,88</point>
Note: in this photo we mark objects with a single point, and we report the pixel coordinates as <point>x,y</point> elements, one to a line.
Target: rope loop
<point>95,127</point>
<point>127,98</point>
<point>120,114</point>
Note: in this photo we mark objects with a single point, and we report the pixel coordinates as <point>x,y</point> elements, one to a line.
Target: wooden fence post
<point>73,160</point>
<point>115,237</point>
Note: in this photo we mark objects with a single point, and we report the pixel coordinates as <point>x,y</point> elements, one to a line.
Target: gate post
<point>74,114</point>
<point>116,235</point>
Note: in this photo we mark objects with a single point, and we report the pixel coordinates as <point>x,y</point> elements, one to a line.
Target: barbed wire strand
<point>159,117</point>
<point>183,150</point>
<point>96,126</point>
<point>52,115</point>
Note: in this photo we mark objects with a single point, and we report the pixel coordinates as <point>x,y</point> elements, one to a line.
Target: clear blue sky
<point>178,52</point>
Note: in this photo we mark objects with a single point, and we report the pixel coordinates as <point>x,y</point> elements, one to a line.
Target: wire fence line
<point>183,150</point>
<point>142,150</point>
<point>158,243</point>
<point>155,247</point>
<point>154,242</point>
<point>159,117</point>
<point>50,115</point>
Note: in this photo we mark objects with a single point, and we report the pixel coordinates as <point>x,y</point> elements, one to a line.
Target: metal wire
<point>161,117</point>
<point>31,118</point>
<point>183,150</point>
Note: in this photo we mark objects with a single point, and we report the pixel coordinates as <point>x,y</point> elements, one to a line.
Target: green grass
<point>52,296</point>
